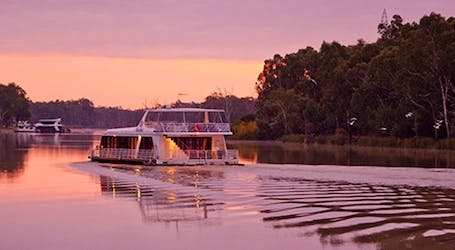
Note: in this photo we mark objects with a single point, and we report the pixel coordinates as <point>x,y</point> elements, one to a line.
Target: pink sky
<point>119,53</point>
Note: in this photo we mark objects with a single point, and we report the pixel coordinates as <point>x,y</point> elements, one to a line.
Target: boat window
<point>223,117</point>
<point>47,122</point>
<point>118,142</point>
<point>171,117</point>
<point>194,117</point>
<point>104,142</point>
<point>146,143</point>
<point>152,116</point>
<point>217,117</point>
<point>193,143</point>
<point>127,142</point>
<point>214,117</point>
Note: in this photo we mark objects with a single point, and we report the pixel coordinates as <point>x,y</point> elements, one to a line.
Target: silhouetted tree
<point>13,104</point>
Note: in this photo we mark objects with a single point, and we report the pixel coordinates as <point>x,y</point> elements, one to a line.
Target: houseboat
<point>24,127</point>
<point>170,136</point>
<point>51,126</point>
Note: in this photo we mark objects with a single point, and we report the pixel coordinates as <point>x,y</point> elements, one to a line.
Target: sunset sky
<point>136,52</point>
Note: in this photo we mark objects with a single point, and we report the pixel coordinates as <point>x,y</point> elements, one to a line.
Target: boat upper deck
<point>55,121</point>
<point>186,120</point>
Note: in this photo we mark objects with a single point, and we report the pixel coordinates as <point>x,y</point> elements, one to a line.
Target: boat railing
<point>123,154</point>
<point>232,154</point>
<point>173,127</point>
<point>147,154</point>
<point>209,154</point>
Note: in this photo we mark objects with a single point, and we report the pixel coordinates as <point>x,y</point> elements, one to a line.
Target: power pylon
<point>384,19</point>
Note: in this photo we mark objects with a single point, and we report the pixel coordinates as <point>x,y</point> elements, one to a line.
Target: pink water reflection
<point>40,169</point>
<point>50,202</point>
<point>46,177</point>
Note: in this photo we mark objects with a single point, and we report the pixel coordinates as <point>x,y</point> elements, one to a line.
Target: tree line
<point>82,113</point>
<point>401,85</point>
<point>16,106</point>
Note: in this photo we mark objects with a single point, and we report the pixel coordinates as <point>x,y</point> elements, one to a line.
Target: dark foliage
<point>401,85</point>
<point>82,114</point>
<point>13,104</point>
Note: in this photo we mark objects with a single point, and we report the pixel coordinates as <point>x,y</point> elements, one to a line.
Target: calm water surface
<point>52,198</point>
<point>276,152</point>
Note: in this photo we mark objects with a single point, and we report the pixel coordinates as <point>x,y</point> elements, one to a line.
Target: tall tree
<point>13,104</point>
<point>402,82</point>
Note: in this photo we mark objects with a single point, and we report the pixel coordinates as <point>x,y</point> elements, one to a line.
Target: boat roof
<point>185,110</point>
<point>50,120</point>
<point>144,131</point>
<point>125,131</point>
<point>147,130</point>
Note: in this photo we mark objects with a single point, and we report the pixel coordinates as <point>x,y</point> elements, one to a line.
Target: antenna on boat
<point>145,103</point>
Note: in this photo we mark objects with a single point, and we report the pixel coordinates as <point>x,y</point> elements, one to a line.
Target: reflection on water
<point>341,214</point>
<point>263,207</point>
<point>13,151</point>
<point>279,153</point>
<point>15,147</point>
<point>393,217</point>
<point>158,205</point>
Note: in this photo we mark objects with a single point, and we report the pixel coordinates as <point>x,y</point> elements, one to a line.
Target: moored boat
<point>51,126</point>
<point>24,127</point>
<point>170,136</point>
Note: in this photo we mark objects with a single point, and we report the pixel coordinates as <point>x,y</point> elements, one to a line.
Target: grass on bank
<point>372,141</point>
<point>5,130</point>
<point>248,130</point>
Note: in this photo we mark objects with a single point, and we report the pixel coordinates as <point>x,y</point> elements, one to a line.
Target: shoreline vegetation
<point>372,141</point>
<point>6,130</point>
<point>343,140</point>
<point>401,86</point>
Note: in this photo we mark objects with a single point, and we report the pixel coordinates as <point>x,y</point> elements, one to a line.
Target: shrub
<point>420,142</point>
<point>373,141</point>
<point>321,139</point>
<point>448,144</point>
<point>298,138</point>
<point>245,130</point>
<point>338,139</point>
<point>341,132</point>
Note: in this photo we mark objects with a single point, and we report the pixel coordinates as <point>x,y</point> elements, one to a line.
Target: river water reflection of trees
<point>269,201</point>
<point>14,149</point>
<point>279,153</point>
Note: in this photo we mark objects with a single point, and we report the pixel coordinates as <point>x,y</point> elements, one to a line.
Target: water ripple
<point>338,212</point>
<point>394,217</point>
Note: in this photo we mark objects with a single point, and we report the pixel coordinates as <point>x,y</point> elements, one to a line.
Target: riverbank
<point>6,130</point>
<point>373,141</point>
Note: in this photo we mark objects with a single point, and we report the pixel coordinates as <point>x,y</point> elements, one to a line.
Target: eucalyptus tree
<point>409,70</point>
<point>439,49</point>
<point>284,86</point>
<point>13,104</point>
<point>427,67</point>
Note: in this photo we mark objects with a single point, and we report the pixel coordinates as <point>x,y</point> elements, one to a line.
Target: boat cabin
<point>51,126</point>
<point>170,136</point>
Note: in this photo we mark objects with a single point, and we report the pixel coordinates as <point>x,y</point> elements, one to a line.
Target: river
<point>287,196</point>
